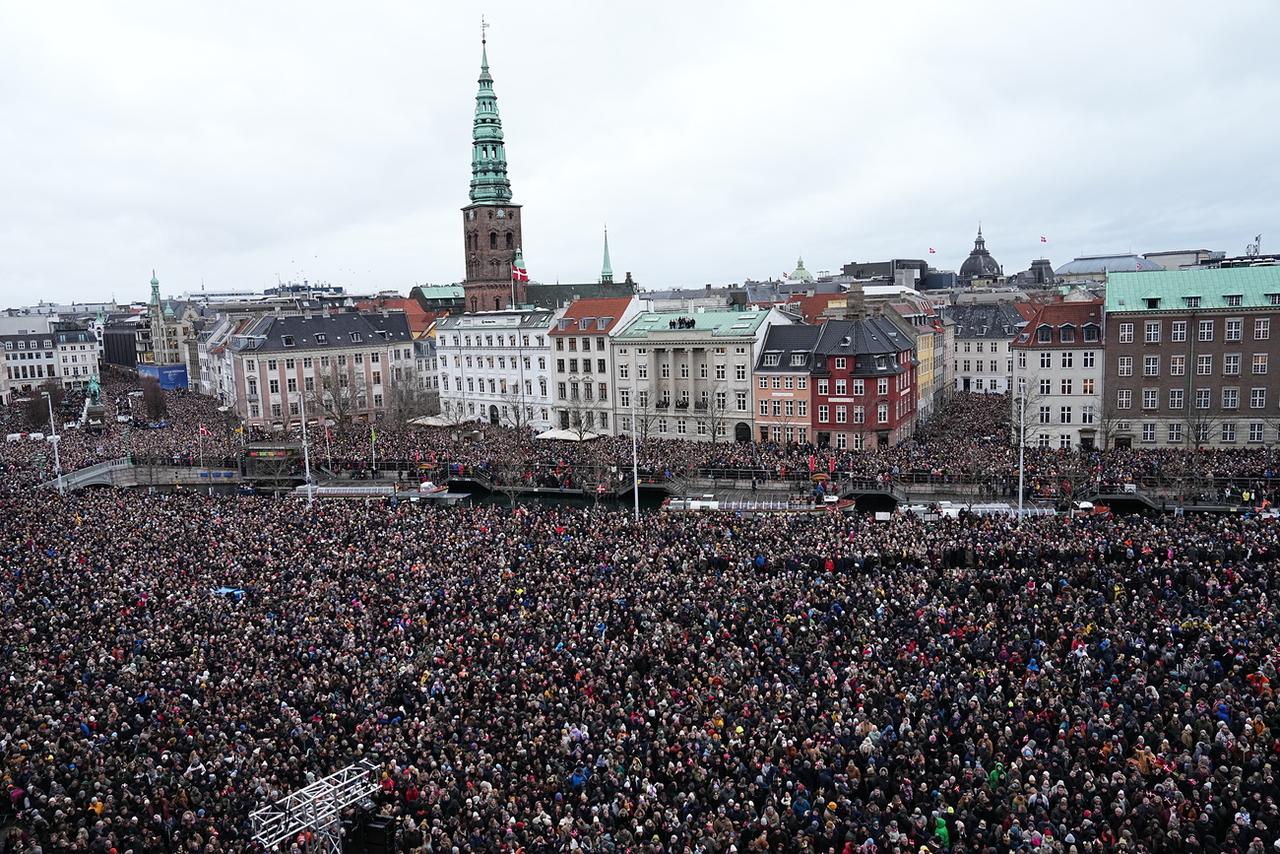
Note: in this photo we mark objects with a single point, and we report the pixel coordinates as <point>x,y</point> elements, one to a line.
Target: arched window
<point>493,240</point>
<point>511,240</point>
<point>474,301</point>
<point>497,304</point>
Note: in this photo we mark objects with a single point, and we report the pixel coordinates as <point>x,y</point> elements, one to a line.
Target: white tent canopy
<point>568,435</point>
<point>434,421</point>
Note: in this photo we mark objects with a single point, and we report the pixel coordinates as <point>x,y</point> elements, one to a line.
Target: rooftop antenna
<point>1252,249</point>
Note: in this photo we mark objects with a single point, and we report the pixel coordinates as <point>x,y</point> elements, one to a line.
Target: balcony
<point>682,404</point>
<point>700,406</point>
<point>665,403</point>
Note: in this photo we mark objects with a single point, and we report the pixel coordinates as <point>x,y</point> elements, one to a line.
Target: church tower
<point>491,223</point>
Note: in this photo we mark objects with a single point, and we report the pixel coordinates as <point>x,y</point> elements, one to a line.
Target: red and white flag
<point>1044,239</point>
<point>933,251</point>
<point>519,274</point>
<point>204,431</point>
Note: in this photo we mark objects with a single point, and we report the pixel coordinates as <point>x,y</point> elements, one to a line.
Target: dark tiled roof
<point>999,321</point>
<point>864,340</point>
<point>268,333</point>
<point>554,296</point>
<point>786,342</point>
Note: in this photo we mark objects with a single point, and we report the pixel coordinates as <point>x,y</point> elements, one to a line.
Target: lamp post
<point>306,448</point>
<point>1022,441</point>
<point>635,444</point>
<point>55,439</point>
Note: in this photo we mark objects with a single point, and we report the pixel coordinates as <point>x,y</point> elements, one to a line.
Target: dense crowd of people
<point>558,679</point>
<point>967,441</point>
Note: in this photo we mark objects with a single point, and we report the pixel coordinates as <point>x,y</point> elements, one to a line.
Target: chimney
<point>628,280</point>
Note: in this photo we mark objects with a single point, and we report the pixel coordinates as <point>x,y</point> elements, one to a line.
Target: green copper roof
<point>606,270</point>
<point>489,181</point>
<point>155,289</point>
<point>441,291</point>
<point>1131,291</point>
<point>721,324</point>
<point>801,274</point>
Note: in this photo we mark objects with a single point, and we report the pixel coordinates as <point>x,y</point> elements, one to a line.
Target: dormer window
<point>797,359</point>
<point>286,340</point>
<point>321,338</point>
<point>1191,302</point>
<point>1234,300</point>
<point>1273,299</point>
<point>772,360</point>
<point>356,338</point>
<point>603,323</point>
<point>585,323</point>
<point>1153,302</point>
<point>1091,333</point>
<point>1067,334</point>
<point>1044,334</point>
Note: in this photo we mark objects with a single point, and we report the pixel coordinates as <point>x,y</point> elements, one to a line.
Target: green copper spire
<point>489,181</point>
<point>606,271</point>
<point>155,289</point>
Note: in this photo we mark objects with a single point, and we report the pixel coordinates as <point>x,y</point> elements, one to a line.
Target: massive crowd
<point>967,441</point>
<point>558,679</point>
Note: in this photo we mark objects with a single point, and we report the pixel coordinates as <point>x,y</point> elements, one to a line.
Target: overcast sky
<point>237,142</point>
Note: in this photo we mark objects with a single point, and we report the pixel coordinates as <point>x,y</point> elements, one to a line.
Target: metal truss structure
<point>316,808</point>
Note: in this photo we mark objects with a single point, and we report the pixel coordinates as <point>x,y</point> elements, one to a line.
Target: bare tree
<point>714,413</point>
<point>643,413</point>
<point>154,404</point>
<point>454,412</point>
<point>405,403</point>
<point>38,409</point>
<point>1109,420</point>
<point>333,397</point>
<point>1198,426</point>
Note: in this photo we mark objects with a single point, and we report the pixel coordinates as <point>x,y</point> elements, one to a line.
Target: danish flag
<point>519,274</point>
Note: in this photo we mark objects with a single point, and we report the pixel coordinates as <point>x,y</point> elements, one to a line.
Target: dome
<point>801,274</point>
<point>980,264</point>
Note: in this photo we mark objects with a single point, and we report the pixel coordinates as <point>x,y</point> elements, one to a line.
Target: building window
<point>1175,433</point>
<point>1262,329</point>
<point>1046,385</point>
<point>742,401</point>
<point>1204,397</point>
<point>1231,398</point>
<point>1175,398</point>
<point>1231,364</point>
<point>1150,398</point>
<point>1258,398</point>
<point>1148,431</point>
<point>1204,365</point>
<point>1126,333</point>
<point>1255,431</point>
<point>1086,385</point>
<point>1206,330</point>
<point>1178,331</point>
<point>882,386</point>
<point>1151,332</point>
<point>842,414</point>
<point>1259,363</point>
<point>1151,366</point>
<point>1124,366</point>
<point>1068,359</point>
<point>739,372</point>
<point>1124,398</point>
<point>1086,359</point>
<point>1234,329</point>
<point>1046,360</point>
<point>771,360</point>
<point>882,413</point>
<point>764,407</point>
<point>1064,415</point>
<point>840,362</point>
<point>1044,334</point>
<point>1177,366</point>
<point>1045,415</point>
<point>1228,431</point>
<point>1086,414</point>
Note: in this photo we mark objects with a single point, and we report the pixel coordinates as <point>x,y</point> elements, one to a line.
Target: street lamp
<point>55,439</point>
<point>306,448</point>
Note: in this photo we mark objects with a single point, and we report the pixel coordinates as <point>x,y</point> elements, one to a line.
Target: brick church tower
<point>491,223</point>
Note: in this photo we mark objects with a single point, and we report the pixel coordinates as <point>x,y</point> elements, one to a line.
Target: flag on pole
<point>519,274</point>
<point>1044,239</point>
<point>785,276</point>
<point>373,434</point>
<point>933,251</point>
<point>204,431</point>
<point>239,429</point>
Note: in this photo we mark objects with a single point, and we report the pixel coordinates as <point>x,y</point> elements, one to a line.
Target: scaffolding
<point>316,808</point>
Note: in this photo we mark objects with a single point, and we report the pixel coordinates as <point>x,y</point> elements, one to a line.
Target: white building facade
<point>687,375</point>
<point>494,367</point>
<point>1058,366</point>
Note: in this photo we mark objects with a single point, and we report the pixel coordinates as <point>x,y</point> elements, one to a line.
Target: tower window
<point>511,241</point>
<point>493,240</point>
